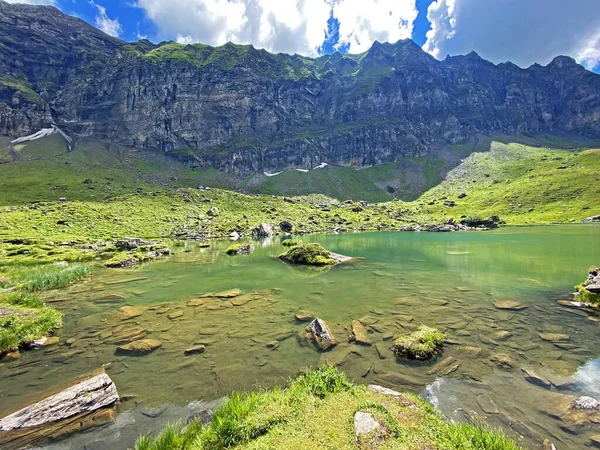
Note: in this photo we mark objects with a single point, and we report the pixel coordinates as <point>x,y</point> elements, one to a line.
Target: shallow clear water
<point>449,280</point>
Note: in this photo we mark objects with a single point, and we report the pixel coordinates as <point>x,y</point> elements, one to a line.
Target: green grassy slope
<point>43,170</point>
<point>119,191</point>
<point>522,185</point>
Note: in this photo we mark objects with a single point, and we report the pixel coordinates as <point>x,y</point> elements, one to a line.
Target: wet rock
<point>263,230</point>
<point>141,346</point>
<point>321,334</point>
<point>502,335</point>
<point>195,302</point>
<point>444,367</point>
<point>304,316</point>
<point>381,350</point>
<point>503,361</point>
<point>125,335</point>
<point>242,300</point>
<point>554,337</point>
<point>273,345</point>
<point>240,249</point>
<point>512,305</point>
<point>360,334</point>
<point>175,315</point>
<point>536,379</point>
<point>387,336</point>
<point>231,293</point>
<point>129,312</point>
<point>368,320</point>
<point>595,440</point>
<point>154,412</point>
<point>10,356</point>
<point>195,350</point>
<point>364,424</point>
<point>486,404</point>
<point>475,351</point>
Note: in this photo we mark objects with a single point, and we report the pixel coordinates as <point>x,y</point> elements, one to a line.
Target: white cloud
<point>34,2</point>
<point>106,24</point>
<point>523,32</point>
<point>290,26</point>
<point>364,21</point>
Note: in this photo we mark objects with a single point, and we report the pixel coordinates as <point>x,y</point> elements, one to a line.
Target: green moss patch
<point>289,243</point>
<point>317,411</point>
<point>421,344</point>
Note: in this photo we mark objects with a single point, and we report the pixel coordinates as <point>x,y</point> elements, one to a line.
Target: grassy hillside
<point>111,192</point>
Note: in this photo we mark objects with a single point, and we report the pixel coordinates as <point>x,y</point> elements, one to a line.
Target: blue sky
<point>499,30</point>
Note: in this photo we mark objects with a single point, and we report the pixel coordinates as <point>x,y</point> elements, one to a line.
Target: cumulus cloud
<point>523,32</point>
<point>34,2</point>
<point>364,21</point>
<point>290,26</point>
<point>106,24</point>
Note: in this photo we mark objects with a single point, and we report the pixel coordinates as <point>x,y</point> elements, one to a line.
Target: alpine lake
<point>495,294</point>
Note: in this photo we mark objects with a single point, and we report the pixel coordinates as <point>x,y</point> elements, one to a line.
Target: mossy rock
<point>289,243</point>
<point>589,290</point>
<point>421,344</point>
<point>308,254</point>
<point>240,249</point>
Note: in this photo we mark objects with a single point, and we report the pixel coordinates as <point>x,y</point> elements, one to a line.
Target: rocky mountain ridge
<point>245,110</point>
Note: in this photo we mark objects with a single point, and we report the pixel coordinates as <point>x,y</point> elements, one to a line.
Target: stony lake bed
<point>212,324</point>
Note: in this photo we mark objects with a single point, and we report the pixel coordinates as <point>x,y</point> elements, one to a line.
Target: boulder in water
<point>321,334</point>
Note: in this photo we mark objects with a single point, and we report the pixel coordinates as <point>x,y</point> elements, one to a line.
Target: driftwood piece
<point>78,407</point>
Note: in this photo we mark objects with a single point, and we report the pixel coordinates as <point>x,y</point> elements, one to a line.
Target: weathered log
<point>81,406</point>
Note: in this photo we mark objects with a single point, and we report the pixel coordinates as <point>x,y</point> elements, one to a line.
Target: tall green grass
<point>50,276</point>
<point>25,325</point>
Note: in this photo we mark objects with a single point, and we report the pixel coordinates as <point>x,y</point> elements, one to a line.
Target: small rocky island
<point>312,255</point>
<point>589,291</point>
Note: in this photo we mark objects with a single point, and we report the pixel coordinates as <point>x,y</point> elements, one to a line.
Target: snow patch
<point>321,166</point>
<point>302,170</point>
<point>271,174</point>
<point>32,137</point>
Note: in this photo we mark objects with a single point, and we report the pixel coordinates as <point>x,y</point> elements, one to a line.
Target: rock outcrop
<point>244,110</point>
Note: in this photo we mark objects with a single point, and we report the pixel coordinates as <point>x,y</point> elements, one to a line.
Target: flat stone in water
<point>195,350</point>
<point>554,337</point>
<point>231,293</point>
<point>361,336</point>
<point>141,346</point>
<point>503,361</point>
<point>304,316</point>
<point>536,379</point>
<point>129,312</point>
<point>196,302</point>
<point>510,305</point>
<point>502,335</point>
<point>175,315</point>
<point>486,404</point>
<point>381,350</point>
<point>368,320</point>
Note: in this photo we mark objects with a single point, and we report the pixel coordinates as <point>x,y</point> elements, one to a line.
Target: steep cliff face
<point>242,109</point>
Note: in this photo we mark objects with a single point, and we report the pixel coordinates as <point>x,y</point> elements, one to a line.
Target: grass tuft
<point>50,276</point>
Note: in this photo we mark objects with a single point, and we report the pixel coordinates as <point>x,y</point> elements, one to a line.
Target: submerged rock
<point>195,350</point>
<point>360,334</point>
<point>129,312</point>
<point>509,304</point>
<point>536,379</point>
<point>304,316</point>
<point>228,294</point>
<point>240,249</point>
<point>141,346</point>
<point>554,337</point>
<point>321,334</point>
